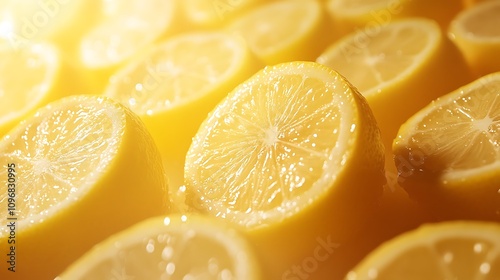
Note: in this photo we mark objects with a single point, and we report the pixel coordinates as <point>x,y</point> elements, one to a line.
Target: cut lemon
<point>174,86</point>
<point>128,28</point>
<point>172,247</point>
<point>30,77</point>
<point>451,250</point>
<point>214,14</point>
<point>285,30</point>
<point>475,31</point>
<point>78,170</point>
<point>370,15</point>
<point>292,155</point>
<point>399,69</point>
<point>59,21</point>
<point>448,154</point>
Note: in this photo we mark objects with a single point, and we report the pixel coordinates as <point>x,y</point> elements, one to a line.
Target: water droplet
<point>183,218</point>
<point>226,275</point>
<point>478,248</point>
<point>167,253</point>
<point>170,269</point>
<point>150,248</point>
<point>448,257</point>
<point>182,189</point>
<point>213,266</point>
<point>352,275</point>
<point>138,87</point>
<point>166,221</point>
<point>485,268</point>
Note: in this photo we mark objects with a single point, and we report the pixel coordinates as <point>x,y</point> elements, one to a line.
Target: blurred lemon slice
<point>84,167</point>
<point>174,86</point>
<point>30,78</point>
<point>59,21</point>
<point>172,247</point>
<point>475,31</point>
<point>370,15</point>
<point>282,157</point>
<point>214,14</point>
<point>448,153</point>
<point>449,250</point>
<point>399,70</point>
<point>128,28</point>
<point>284,31</point>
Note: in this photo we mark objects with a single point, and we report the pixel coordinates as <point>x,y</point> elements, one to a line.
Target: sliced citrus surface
<point>78,170</point>
<point>172,247</point>
<point>475,33</point>
<point>399,69</point>
<point>128,28</point>
<point>448,154</point>
<point>174,86</point>
<point>448,250</point>
<point>285,156</point>
<point>30,77</point>
<point>369,16</point>
<point>286,30</point>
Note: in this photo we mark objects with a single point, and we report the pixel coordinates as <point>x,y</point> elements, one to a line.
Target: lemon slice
<point>127,29</point>
<point>58,21</point>
<point>368,16</point>
<point>215,14</point>
<point>172,247</point>
<point>78,170</point>
<point>404,66</point>
<point>275,38</point>
<point>448,153</point>
<point>474,32</point>
<point>450,250</point>
<point>30,78</point>
<point>174,86</point>
<point>282,157</point>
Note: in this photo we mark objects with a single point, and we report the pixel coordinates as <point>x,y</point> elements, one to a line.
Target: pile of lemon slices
<point>250,139</point>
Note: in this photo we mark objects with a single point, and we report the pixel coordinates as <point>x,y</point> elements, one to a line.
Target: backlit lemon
<point>76,171</point>
<point>448,153</point>
<point>293,157</point>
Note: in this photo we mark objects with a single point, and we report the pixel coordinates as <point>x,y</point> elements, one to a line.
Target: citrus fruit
<point>30,77</point>
<point>60,21</point>
<point>173,86</point>
<point>448,250</point>
<point>399,69</point>
<point>78,170</point>
<point>447,154</point>
<point>127,28</point>
<point>368,16</point>
<point>293,157</point>
<point>475,33</point>
<point>171,247</point>
<point>215,14</point>
<point>283,31</point>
